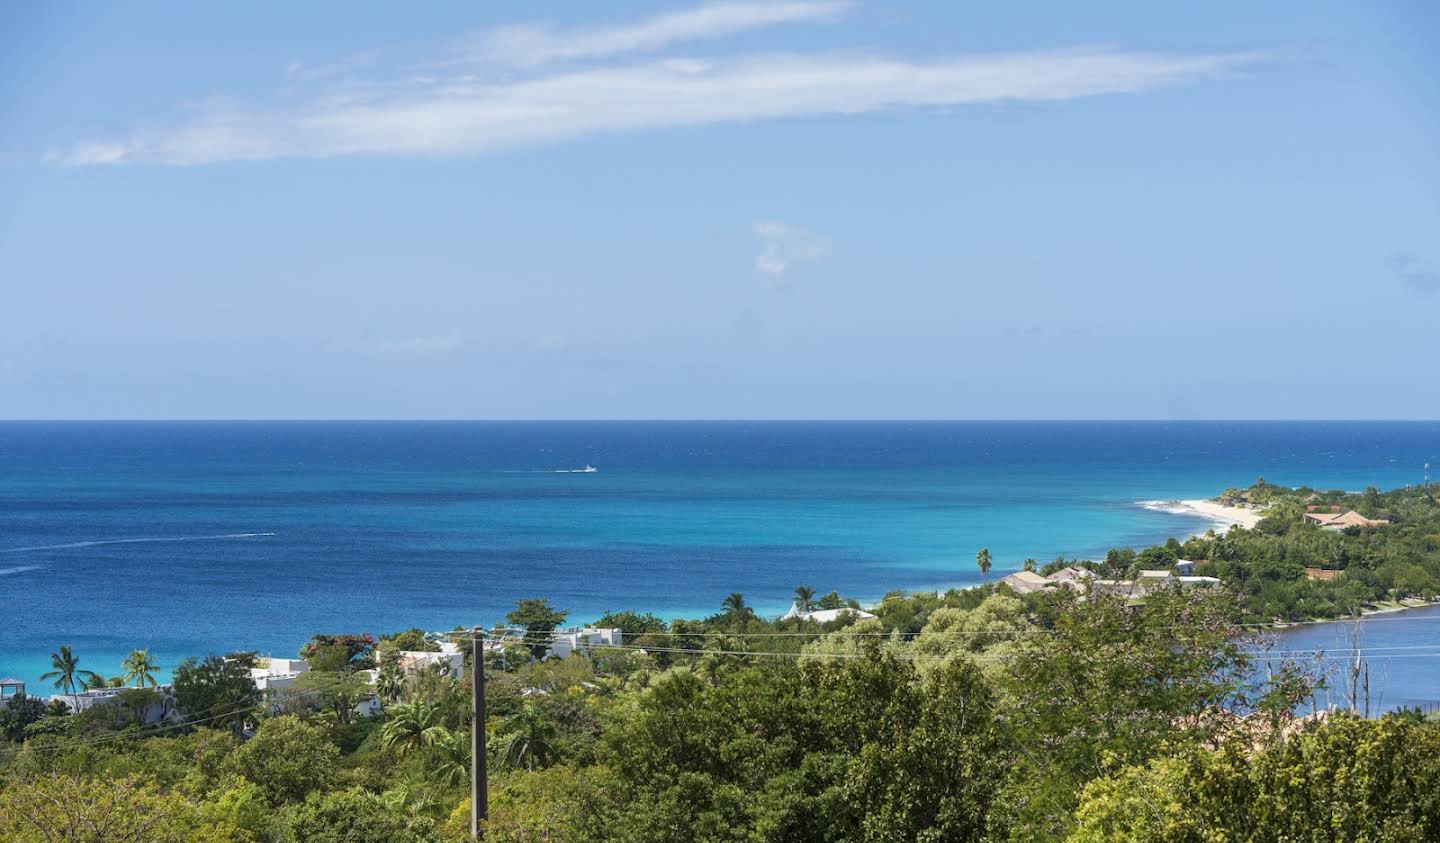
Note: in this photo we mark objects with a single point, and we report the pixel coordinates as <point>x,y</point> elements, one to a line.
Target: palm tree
<point>1029,565</point>
<point>805,597</point>
<point>411,726</point>
<point>390,682</point>
<point>734,604</point>
<point>449,757</point>
<point>983,560</point>
<point>140,667</point>
<point>67,674</point>
<point>96,682</point>
<point>527,739</point>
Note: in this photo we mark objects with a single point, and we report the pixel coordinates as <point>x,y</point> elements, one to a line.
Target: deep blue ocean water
<point>190,538</point>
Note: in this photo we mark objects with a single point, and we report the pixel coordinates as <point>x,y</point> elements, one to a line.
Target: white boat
<point>588,469</point>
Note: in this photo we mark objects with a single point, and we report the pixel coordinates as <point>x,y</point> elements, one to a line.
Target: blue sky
<point>789,209</point>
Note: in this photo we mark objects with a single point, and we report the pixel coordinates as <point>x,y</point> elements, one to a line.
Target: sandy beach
<point>1226,516</point>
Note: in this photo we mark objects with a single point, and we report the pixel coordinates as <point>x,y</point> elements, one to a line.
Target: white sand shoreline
<point>1227,516</point>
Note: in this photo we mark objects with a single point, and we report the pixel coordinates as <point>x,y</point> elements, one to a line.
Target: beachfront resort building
<point>825,615</point>
<point>1147,582</point>
<point>160,709</point>
<point>569,640</point>
<point>1340,520</point>
<point>275,674</point>
<point>412,662</point>
<point>1028,582</point>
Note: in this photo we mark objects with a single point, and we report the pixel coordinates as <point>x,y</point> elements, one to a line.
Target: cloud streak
<point>531,45</point>
<point>462,112</point>
<point>426,345</point>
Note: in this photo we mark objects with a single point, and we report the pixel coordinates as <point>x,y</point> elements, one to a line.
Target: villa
<point>413,661</point>
<point>275,674</point>
<point>569,640</point>
<point>1027,582</point>
<point>1340,520</point>
<point>825,615</point>
<point>1148,581</point>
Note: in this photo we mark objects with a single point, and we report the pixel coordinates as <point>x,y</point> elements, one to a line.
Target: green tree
<point>18,713</point>
<point>527,739</point>
<point>982,559</point>
<point>1112,684</point>
<point>339,692</point>
<point>804,597</point>
<point>352,816</point>
<point>447,758</point>
<point>633,623</point>
<point>411,640</point>
<point>66,674</point>
<point>411,726</point>
<point>1028,565</point>
<point>340,652</point>
<point>141,668</point>
<point>217,692</point>
<point>390,681</point>
<point>85,809</point>
<point>538,619</point>
<point>288,758</point>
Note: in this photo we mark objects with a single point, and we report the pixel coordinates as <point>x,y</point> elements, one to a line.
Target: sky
<point>734,209</point>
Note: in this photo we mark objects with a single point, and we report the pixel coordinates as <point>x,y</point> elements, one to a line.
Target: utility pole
<point>479,788</point>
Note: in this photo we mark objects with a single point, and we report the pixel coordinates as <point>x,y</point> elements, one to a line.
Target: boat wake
<point>72,545</point>
<point>5,572</point>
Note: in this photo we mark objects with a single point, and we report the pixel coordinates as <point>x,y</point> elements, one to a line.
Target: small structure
<point>1185,566</point>
<point>275,674</point>
<point>161,709</point>
<point>1148,582</point>
<point>10,689</point>
<point>824,615</point>
<point>575,638</point>
<point>1324,574</point>
<point>1074,578</point>
<point>449,655</point>
<point>829,615</point>
<point>1027,582</point>
<point>1339,521</point>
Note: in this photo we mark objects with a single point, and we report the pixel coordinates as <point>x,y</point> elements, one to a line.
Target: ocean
<point>197,537</point>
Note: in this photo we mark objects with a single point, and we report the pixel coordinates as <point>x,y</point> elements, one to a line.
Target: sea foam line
<point>5,572</point>
<point>98,542</point>
<point>1172,507</point>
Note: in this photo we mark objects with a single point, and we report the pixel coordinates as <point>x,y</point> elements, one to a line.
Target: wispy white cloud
<point>458,111</point>
<point>783,245</point>
<point>442,343</point>
<point>531,45</point>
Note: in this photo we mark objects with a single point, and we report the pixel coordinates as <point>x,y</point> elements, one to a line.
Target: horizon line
<point>696,420</point>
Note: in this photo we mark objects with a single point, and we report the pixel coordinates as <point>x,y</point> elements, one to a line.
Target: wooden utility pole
<point>479,789</point>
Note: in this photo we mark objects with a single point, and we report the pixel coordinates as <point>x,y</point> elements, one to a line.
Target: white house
<point>568,641</point>
<point>159,711</point>
<point>274,674</point>
<point>825,615</point>
<point>413,661</point>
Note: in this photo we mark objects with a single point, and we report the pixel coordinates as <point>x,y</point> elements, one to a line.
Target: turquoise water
<point>191,538</point>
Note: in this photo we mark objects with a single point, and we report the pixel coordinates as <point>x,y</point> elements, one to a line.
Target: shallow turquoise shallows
<point>190,538</point>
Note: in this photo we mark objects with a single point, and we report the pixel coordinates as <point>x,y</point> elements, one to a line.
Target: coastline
<point>1222,515</point>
